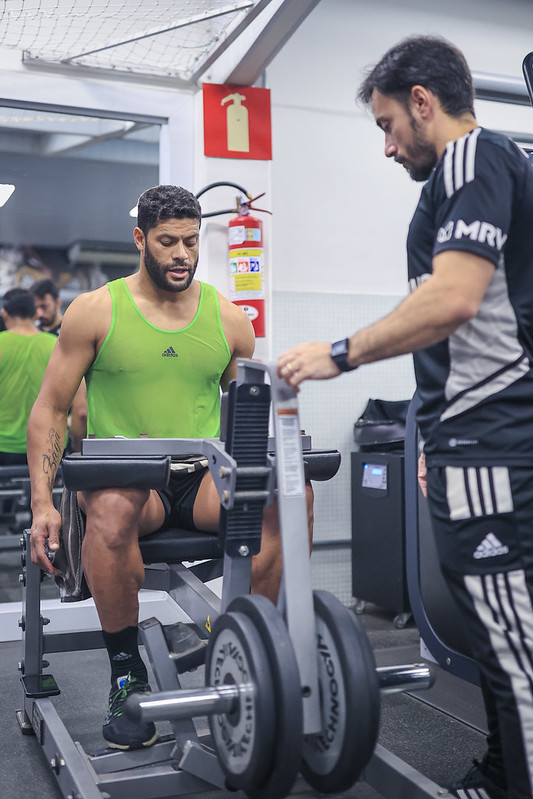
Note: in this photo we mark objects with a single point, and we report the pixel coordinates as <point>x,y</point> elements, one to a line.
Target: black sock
<point>124,656</point>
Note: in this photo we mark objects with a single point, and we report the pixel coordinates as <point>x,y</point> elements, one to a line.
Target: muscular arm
<point>448,299</point>
<point>240,336</point>
<point>78,418</point>
<point>75,350</point>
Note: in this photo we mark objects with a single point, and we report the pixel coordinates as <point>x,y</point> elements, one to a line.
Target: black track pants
<point>483,523</point>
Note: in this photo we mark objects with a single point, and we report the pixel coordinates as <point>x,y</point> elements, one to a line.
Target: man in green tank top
<point>24,354</point>
<point>155,348</point>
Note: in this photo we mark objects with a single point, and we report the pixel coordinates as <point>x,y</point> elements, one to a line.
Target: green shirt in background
<point>23,360</point>
<point>155,382</point>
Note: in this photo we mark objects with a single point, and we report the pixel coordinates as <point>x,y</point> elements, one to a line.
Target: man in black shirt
<point>48,305</point>
<point>469,322</point>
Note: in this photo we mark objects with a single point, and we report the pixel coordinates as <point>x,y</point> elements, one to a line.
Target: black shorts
<point>178,498</point>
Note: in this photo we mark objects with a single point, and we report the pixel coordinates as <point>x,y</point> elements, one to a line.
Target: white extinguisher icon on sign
<point>238,131</point>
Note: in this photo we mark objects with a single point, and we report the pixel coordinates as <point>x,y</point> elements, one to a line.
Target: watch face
<point>339,354</point>
<point>339,349</point>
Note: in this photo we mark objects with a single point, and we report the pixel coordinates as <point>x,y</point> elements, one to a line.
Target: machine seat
<point>176,545</point>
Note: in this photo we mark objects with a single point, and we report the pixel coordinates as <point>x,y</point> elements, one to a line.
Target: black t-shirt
<point>54,330</point>
<point>476,386</point>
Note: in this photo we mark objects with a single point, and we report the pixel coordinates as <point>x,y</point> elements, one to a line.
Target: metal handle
<point>413,677</point>
<point>186,703</point>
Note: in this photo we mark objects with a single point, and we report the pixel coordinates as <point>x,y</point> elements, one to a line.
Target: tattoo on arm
<point>52,458</point>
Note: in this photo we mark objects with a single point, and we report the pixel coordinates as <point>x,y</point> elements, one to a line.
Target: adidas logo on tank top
<point>170,353</point>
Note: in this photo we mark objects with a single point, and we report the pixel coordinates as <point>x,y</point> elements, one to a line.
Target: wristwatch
<point>339,354</point>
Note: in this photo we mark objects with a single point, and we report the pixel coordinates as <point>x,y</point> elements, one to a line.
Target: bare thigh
<point>116,504</point>
<point>206,509</point>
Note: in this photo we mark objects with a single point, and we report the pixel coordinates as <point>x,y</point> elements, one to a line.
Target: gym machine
<point>14,504</point>
<point>15,512</point>
<point>288,689</point>
<point>444,637</point>
<point>442,629</point>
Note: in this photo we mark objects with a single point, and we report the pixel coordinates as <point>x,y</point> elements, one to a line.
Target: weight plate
<point>243,738</point>
<point>333,759</point>
<point>287,708</point>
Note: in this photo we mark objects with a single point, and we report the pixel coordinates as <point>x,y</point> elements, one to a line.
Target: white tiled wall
<point>329,409</point>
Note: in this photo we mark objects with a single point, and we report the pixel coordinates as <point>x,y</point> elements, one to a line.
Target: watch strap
<point>339,355</point>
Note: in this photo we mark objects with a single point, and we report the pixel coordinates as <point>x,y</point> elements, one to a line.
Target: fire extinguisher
<point>246,256</point>
<point>246,267</point>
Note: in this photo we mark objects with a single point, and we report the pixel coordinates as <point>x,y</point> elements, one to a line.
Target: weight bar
<point>186,703</point>
<point>414,677</point>
<point>224,699</point>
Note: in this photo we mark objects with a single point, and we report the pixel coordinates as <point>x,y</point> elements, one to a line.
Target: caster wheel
<point>359,606</point>
<point>401,620</point>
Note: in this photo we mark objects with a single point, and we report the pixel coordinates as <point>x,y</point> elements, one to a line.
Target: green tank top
<point>23,360</point>
<point>155,382</point>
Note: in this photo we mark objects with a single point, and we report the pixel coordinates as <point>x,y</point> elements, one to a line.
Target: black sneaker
<point>476,784</point>
<point>118,730</point>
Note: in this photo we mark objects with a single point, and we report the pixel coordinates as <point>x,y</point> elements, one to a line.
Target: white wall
<point>341,209</point>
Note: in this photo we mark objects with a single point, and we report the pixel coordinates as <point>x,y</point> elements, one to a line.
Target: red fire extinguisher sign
<point>237,122</point>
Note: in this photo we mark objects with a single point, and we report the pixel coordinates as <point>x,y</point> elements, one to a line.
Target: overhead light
<point>6,190</point>
<point>133,211</point>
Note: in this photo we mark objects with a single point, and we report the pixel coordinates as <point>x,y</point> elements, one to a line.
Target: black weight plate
<point>287,709</point>
<point>243,738</point>
<point>333,759</point>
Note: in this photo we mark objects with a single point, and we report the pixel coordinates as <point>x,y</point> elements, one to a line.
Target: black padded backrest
<point>90,472</point>
<point>321,464</point>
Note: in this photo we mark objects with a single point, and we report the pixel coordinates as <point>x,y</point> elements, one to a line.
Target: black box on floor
<point>378,532</point>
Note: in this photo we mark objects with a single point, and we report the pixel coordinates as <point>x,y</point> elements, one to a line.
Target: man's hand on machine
<point>422,474</point>
<point>45,536</point>
<point>310,361</point>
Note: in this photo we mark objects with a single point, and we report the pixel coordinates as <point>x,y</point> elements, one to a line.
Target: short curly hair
<point>166,202</point>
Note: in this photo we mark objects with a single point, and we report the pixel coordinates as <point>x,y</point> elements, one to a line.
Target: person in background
<point>469,323</point>
<point>48,306</point>
<point>24,355</point>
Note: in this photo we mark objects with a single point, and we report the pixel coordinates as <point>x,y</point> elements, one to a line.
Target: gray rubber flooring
<point>437,744</point>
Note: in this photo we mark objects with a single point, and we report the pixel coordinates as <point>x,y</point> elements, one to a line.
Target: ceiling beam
<point>60,143</point>
<point>245,60</point>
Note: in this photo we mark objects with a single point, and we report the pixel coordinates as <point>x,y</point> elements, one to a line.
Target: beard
<point>421,155</point>
<point>158,272</point>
